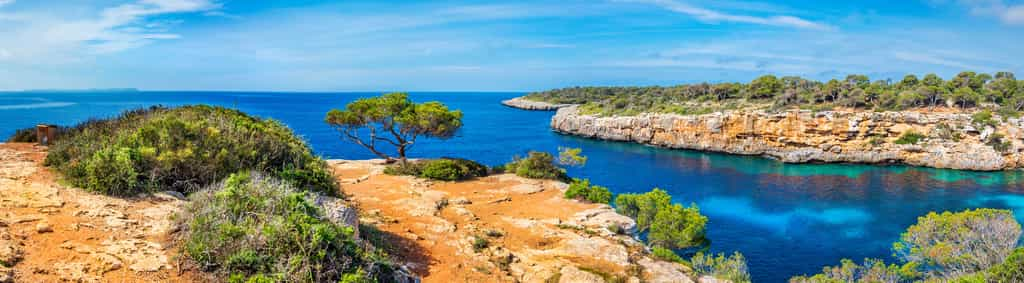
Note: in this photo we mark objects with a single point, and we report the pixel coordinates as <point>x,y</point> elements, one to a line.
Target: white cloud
<point>5,2</point>
<point>708,15</point>
<point>1008,13</point>
<point>59,36</point>
<point>1014,15</point>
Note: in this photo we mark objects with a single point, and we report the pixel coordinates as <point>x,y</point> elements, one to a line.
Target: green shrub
<point>909,137</point>
<point>949,244</point>
<point>732,268</point>
<point>537,165</point>
<point>24,135</point>
<point>666,255</point>
<point>480,243</point>
<point>182,149</point>
<point>678,227</point>
<point>671,226</point>
<point>999,143</point>
<point>944,131</point>
<point>251,228</point>
<point>409,168</point>
<point>571,156</point>
<point>642,207</point>
<point>445,169</point>
<point>581,189</point>
<point>984,118</point>
<point>1011,270</point>
<point>873,271</point>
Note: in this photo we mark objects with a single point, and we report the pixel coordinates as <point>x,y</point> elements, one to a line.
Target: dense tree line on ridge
<point>965,90</point>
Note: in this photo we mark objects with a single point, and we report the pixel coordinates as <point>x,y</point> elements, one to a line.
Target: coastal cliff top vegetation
<point>965,91</point>
<point>182,149</point>
<point>252,228</point>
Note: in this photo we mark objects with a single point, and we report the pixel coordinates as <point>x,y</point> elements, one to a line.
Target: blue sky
<point>313,45</point>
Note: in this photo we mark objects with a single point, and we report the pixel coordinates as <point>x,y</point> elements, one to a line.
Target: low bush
<point>24,135</point>
<point>732,268</point>
<point>445,169</point>
<point>984,118</point>
<point>183,149</point>
<point>671,226</point>
<point>999,143</point>
<point>251,228</point>
<point>480,243</point>
<point>1011,270</point>
<point>666,255</point>
<point>581,189</point>
<point>537,165</point>
<point>872,271</point>
<point>909,137</point>
<point>947,245</point>
<point>968,246</point>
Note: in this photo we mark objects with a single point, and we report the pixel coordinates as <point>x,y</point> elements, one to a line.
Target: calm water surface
<point>787,219</point>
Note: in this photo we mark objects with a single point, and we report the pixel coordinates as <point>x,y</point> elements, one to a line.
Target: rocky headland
<point>949,139</point>
<point>501,228</point>
<point>524,104</point>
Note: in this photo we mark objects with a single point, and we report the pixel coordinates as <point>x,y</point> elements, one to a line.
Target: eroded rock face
<point>951,139</point>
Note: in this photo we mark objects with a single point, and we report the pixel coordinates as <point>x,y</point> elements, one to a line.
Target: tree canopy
<point>965,90</point>
<point>395,120</point>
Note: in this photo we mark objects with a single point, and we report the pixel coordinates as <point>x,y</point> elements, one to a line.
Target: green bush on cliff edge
<point>252,228</point>
<point>182,149</point>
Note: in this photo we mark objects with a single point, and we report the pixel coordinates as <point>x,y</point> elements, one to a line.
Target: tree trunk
<point>401,153</point>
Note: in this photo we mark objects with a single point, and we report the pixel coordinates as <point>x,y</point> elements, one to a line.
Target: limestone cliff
<point>951,140</point>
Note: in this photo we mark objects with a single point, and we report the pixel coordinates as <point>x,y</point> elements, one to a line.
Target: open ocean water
<point>787,219</point>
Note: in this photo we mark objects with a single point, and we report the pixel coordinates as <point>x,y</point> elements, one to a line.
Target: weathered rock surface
<point>805,136</point>
<point>524,104</point>
<point>53,233</point>
<point>533,233</point>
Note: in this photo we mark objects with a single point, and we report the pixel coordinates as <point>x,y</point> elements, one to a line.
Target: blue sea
<point>787,219</point>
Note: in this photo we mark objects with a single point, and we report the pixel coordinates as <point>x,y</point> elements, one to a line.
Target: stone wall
<point>805,136</point>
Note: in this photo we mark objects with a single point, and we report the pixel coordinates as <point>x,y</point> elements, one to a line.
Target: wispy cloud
<point>42,37</point>
<point>709,15</point>
<point>1009,13</point>
<point>5,2</point>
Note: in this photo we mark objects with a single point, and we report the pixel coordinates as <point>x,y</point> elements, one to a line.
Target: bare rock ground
<point>499,229</point>
<point>53,233</point>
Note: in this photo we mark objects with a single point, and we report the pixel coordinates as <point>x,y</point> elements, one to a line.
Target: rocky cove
<point>951,140</point>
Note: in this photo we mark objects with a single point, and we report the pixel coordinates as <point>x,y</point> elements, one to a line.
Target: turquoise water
<point>788,219</point>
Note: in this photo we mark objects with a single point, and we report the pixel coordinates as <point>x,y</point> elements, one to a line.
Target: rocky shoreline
<point>950,140</point>
<point>524,104</point>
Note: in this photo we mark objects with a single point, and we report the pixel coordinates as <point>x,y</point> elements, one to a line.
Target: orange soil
<point>434,254</point>
<point>45,253</point>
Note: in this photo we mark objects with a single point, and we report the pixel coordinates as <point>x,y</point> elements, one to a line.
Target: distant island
<point>969,122</point>
<point>83,90</point>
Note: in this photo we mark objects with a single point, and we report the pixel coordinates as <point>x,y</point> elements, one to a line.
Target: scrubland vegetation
<point>253,228</point>
<point>1001,92</point>
<point>970,246</point>
<point>536,165</point>
<point>182,149</point>
<point>444,169</point>
<point>23,135</point>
